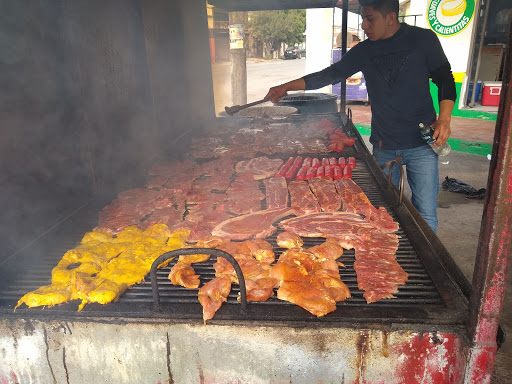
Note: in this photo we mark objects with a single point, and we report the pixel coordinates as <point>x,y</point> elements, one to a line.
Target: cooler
<point>491,94</point>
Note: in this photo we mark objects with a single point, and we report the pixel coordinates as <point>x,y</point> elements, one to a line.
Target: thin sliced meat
<point>257,225</point>
<point>276,192</point>
<point>260,167</point>
<point>325,192</point>
<point>378,272</point>
<point>302,200</point>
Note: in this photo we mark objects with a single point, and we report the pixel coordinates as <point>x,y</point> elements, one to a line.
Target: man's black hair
<point>382,6</point>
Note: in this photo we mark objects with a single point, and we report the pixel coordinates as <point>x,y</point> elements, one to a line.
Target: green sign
<point>449,17</point>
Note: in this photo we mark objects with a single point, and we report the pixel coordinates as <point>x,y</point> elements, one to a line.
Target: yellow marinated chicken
<point>46,296</point>
<point>103,266</point>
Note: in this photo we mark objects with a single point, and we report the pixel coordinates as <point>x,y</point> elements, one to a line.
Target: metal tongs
<point>236,108</point>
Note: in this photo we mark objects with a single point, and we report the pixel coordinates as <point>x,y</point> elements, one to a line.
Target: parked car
<point>294,53</point>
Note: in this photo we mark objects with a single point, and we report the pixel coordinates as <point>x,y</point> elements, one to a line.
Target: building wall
<point>319,41</point>
<point>458,49</point>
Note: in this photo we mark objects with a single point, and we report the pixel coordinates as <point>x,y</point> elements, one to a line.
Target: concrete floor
<point>459,218</point>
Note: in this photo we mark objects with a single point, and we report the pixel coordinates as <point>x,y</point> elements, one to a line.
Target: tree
<point>275,27</point>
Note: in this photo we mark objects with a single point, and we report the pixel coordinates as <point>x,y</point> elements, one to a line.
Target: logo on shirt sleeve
<point>390,66</point>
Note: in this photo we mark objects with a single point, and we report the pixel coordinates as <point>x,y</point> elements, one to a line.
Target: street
<point>459,218</point>
<point>261,75</point>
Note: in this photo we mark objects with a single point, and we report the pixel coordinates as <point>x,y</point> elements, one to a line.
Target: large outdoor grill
<point>95,93</point>
<point>430,295</point>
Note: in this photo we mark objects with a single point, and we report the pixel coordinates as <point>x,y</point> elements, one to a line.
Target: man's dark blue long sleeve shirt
<point>397,72</point>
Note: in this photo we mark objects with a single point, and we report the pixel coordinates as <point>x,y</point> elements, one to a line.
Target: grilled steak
<point>354,200</point>
<point>325,193</point>
<point>326,224</point>
<point>352,197</point>
<point>244,195</point>
<point>256,225</point>
<point>302,199</point>
<point>276,192</point>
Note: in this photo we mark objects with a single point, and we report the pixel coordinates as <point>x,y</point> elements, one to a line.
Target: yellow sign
<point>449,17</point>
<point>236,36</point>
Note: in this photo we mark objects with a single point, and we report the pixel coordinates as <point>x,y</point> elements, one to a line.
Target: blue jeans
<point>422,175</point>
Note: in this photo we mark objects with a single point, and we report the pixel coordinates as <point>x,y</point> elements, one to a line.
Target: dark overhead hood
<point>262,5</point>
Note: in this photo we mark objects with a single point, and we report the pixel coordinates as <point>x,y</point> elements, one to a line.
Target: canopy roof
<point>261,5</point>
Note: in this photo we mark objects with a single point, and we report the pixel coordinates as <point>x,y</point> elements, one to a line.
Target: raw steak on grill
<point>326,224</point>
<point>276,192</point>
<point>204,228</point>
<point>260,167</point>
<point>353,199</point>
<point>244,195</point>
<point>256,225</point>
<point>302,199</point>
<point>169,216</point>
<point>325,192</point>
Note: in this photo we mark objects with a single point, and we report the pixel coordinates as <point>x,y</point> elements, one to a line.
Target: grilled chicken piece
<point>310,281</point>
<point>183,274</point>
<point>327,250</point>
<point>312,298</point>
<point>289,240</point>
<point>213,294</point>
<point>330,280</point>
<point>46,296</point>
<point>260,249</point>
<point>254,258</point>
<point>191,259</point>
<point>260,289</point>
<point>210,242</point>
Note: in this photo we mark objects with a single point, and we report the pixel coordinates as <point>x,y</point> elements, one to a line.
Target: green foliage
<point>276,27</point>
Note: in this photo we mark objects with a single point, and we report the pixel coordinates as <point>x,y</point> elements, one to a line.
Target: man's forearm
<point>446,109</point>
<point>295,85</point>
<point>442,124</point>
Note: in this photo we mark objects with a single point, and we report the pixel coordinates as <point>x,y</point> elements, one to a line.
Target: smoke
<point>92,94</point>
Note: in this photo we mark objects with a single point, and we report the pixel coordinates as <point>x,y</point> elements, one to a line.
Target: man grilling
<point>397,61</point>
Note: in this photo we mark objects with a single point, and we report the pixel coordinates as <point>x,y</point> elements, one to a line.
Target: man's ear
<point>391,17</point>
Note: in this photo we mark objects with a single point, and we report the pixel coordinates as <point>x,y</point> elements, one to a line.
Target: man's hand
<point>275,93</point>
<point>442,131</point>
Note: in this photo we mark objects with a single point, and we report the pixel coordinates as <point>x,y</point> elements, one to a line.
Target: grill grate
<point>419,300</point>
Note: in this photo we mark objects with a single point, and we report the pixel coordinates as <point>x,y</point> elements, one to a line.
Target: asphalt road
<point>261,75</point>
<point>459,218</point>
